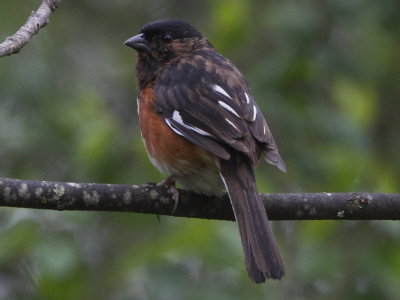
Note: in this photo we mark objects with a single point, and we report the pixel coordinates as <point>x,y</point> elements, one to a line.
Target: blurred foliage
<point>324,72</point>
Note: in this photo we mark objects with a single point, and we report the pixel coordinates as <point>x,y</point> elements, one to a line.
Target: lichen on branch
<point>155,199</point>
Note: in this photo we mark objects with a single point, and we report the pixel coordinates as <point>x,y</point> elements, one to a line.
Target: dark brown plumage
<point>201,125</point>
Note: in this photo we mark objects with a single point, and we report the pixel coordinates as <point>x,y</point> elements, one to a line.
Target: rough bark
<point>38,19</point>
<point>153,199</point>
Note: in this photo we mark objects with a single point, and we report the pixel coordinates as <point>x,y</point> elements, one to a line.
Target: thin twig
<point>153,199</point>
<point>36,20</point>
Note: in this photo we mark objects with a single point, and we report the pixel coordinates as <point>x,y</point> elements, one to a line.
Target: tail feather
<point>260,249</point>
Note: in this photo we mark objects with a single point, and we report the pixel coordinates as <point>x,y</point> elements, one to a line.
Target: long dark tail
<point>260,249</point>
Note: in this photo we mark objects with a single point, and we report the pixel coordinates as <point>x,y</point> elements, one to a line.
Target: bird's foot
<point>170,183</point>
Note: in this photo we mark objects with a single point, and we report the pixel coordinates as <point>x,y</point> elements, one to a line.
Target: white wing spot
<point>176,116</point>
<point>173,128</point>
<point>220,90</point>
<point>247,98</point>
<point>231,123</point>
<point>198,130</point>
<point>254,113</point>
<point>265,129</point>
<point>228,108</point>
<point>138,104</point>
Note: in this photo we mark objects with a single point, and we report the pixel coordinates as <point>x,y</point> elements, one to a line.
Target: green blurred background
<point>326,74</point>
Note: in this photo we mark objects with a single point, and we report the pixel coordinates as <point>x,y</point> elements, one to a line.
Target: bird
<point>201,126</point>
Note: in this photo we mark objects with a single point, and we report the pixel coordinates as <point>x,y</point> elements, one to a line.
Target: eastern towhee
<point>201,125</point>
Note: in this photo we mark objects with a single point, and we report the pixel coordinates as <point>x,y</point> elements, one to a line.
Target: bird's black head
<point>176,28</point>
<point>166,39</point>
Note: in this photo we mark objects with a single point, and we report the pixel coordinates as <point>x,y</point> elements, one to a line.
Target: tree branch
<point>37,20</point>
<point>152,199</point>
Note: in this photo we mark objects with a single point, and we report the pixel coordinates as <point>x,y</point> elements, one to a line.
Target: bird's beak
<point>138,42</point>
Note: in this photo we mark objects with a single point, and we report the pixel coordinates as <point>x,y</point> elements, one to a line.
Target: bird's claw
<point>170,183</point>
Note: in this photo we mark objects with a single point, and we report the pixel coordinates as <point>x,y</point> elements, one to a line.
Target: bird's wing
<point>214,109</point>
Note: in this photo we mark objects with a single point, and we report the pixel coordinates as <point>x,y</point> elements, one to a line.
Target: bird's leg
<point>170,183</point>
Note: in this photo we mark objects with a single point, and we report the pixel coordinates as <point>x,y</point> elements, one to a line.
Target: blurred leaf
<point>357,102</point>
<point>229,25</point>
<point>18,241</point>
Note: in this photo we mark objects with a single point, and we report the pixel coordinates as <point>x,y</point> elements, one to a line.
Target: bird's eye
<point>167,39</point>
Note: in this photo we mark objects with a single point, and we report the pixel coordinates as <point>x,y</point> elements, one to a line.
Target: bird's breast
<point>169,152</point>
